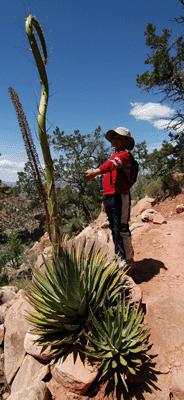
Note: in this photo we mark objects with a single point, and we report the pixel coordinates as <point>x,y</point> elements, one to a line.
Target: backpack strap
<point>122,174</point>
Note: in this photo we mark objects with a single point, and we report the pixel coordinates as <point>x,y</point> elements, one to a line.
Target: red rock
<point>16,327</point>
<point>74,372</point>
<point>29,368</point>
<point>180,208</point>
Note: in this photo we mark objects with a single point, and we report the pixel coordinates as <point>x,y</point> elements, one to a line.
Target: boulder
<point>47,253</point>
<point>138,228</point>
<point>37,391</point>
<point>74,372</point>
<point>151,215</point>
<point>3,310</point>
<point>33,348</point>
<point>7,293</point>
<point>180,208</point>
<point>28,370</point>
<point>141,206</point>
<point>16,327</point>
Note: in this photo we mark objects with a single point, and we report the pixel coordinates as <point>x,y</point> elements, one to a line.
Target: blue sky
<point>95,48</point>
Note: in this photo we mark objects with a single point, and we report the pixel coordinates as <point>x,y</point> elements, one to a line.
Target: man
<point>116,196</point>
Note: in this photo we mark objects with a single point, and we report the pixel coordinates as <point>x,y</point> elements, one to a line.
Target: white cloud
<point>9,169</point>
<point>150,111</point>
<point>157,114</point>
<point>10,164</point>
<point>13,164</point>
<point>161,123</point>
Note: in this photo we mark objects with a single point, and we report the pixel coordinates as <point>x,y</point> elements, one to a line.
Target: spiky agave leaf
<point>117,339</point>
<point>73,285</point>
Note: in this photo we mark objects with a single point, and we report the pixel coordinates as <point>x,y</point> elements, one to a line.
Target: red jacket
<point>113,181</point>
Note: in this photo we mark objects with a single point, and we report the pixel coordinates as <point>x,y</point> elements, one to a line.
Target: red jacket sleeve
<point>118,160</point>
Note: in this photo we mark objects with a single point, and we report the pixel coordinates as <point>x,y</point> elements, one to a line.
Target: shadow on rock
<point>144,382</point>
<point>146,269</point>
<point>148,375</point>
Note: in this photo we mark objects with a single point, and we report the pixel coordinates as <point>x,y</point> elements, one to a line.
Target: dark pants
<point>118,215</point>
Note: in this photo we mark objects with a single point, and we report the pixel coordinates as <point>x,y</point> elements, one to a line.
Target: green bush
<point>172,184</point>
<point>165,186</point>
<point>3,277</point>
<point>155,189</point>
<point>11,250</point>
<point>2,195</point>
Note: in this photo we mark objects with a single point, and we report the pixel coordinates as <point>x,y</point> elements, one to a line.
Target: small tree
<point>166,63</point>
<point>76,154</point>
<point>14,250</point>
<point>26,184</point>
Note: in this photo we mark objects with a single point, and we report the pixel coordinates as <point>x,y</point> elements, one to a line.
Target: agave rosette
<point>118,340</point>
<point>73,285</point>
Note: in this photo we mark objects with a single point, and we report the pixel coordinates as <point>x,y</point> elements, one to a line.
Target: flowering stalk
<point>41,62</point>
<point>31,151</point>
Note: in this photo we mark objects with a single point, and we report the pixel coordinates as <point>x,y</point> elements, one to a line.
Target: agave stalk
<point>41,62</point>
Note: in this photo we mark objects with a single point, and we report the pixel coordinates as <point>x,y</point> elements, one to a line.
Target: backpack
<point>133,172</point>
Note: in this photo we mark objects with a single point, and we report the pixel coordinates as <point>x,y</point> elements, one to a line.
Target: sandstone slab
<point>74,372</point>
<point>141,206</point>
<point>32,347</point>
<point>150,215</point>
<point>7,293</point>
<point>16,327</point>
<point>29,368</point>
<point>180,208</point>
<point>37,391</point>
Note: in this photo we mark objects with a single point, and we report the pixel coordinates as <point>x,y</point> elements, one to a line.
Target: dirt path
<point>159,252</point>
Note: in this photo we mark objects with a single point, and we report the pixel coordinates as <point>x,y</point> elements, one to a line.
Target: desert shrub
<point>165,186</point>
<point>2,195</point>
<point>172,184</point>
<point>3,235</point>
<point>11,250</point>
<point>155,189</point>
<point>20,283</point>
<point>3,277</point>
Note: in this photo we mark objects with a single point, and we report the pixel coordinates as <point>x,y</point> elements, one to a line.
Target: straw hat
<point>122,132</point>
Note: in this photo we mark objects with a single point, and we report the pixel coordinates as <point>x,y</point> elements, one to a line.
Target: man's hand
<point>91,173</point>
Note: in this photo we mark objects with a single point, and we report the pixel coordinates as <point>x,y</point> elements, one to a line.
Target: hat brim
<point>131,142</point>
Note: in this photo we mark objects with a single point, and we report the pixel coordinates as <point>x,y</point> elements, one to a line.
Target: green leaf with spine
<point>73,285</point>
<point>117,339</point>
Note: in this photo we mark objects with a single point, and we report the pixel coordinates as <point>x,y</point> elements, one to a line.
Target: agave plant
<point>73,286</point>
<point>118,340</point>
